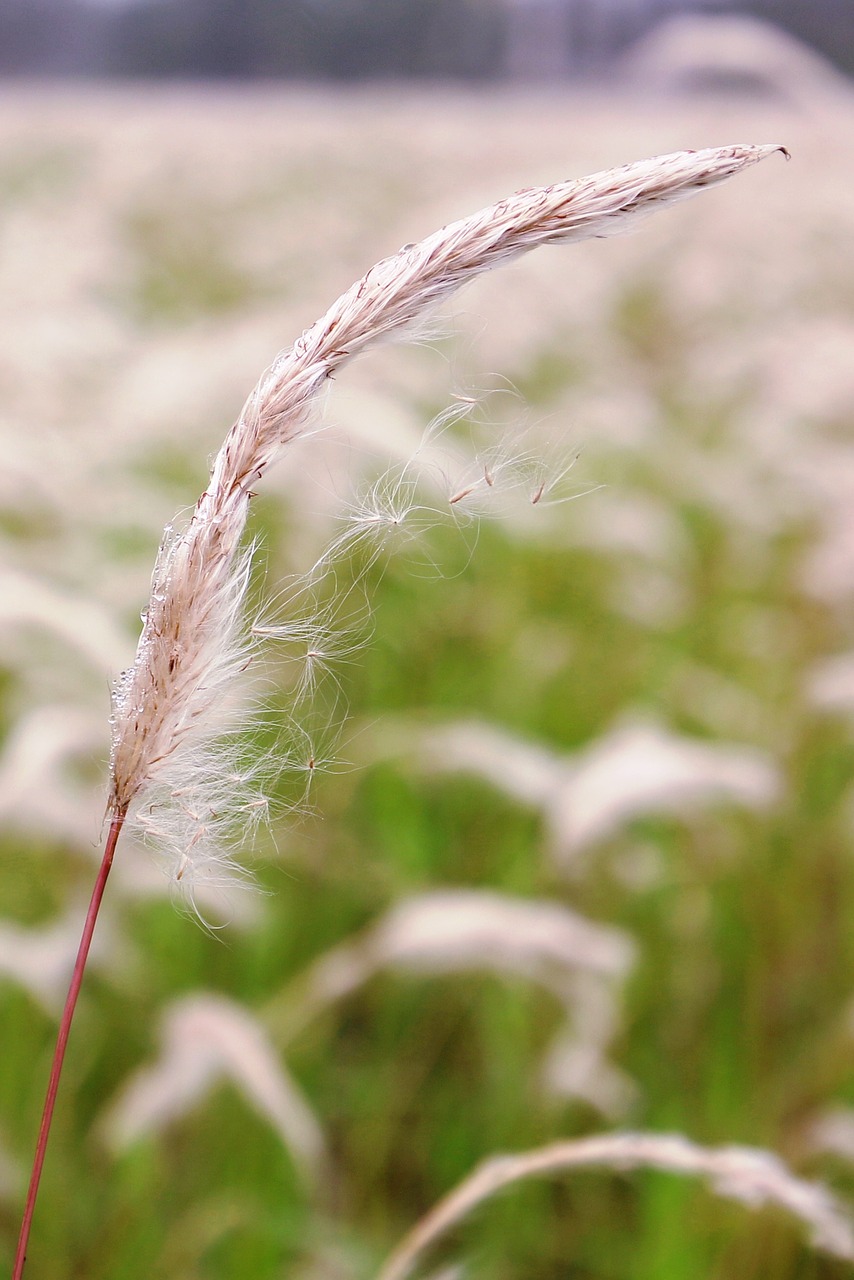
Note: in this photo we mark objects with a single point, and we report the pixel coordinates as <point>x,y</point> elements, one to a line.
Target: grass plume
<point>172,707</point>
<point>172,704</point>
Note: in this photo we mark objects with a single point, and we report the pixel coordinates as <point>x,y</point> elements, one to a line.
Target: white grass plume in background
<point>751,1176</point>
<point>173,706</point>
<point>635,768</point>
<point>582,964</point>
<point>207,1038</point>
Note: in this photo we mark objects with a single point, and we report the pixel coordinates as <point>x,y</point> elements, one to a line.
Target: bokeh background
<point>564,842</point>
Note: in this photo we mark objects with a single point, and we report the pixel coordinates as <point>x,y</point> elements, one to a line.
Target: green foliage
<point>742,942</point>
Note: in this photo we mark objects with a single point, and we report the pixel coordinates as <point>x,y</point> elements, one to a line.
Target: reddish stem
<point>62,1039</point>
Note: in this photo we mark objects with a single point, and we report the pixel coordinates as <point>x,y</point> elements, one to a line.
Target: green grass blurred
<point>735,1023</point>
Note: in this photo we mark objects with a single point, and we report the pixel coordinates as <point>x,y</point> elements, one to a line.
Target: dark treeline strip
<point>364,39</point>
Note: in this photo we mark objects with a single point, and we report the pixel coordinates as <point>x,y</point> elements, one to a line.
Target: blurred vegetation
<point>735,1024</point>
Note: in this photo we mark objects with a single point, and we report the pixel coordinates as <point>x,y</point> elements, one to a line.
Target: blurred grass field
<point>694,598</point>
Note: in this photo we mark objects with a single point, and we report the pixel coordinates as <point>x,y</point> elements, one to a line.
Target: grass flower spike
<point>173,710</point>
<point>168,708</point>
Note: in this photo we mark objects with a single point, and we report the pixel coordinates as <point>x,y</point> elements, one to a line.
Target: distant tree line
<point>364,39</point>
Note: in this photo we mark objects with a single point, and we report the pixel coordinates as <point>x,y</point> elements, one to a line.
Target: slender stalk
<point>116,823</point>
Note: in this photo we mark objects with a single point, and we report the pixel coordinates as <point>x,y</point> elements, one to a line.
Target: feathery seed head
<point>172,707</point>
